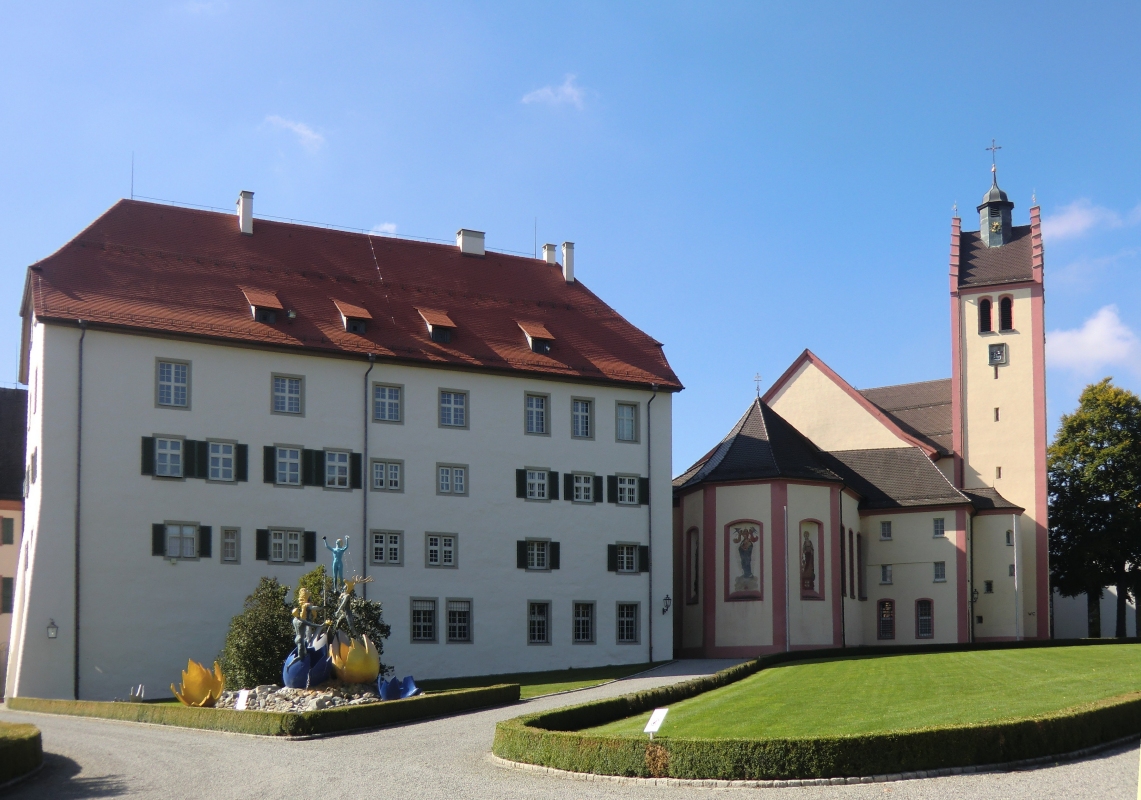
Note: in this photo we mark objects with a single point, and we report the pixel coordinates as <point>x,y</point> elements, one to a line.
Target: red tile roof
<point>154,268</point>
<point>351,311</point>
<point>261,298</point>
<point>437,319</point>
<point>536,330</point>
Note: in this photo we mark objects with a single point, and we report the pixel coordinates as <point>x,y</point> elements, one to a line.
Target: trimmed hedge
<point>275,723</point>
<point>551,739</point>
<point>21,750</point>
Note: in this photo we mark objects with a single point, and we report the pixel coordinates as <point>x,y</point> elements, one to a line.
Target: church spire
<point>994,212</point>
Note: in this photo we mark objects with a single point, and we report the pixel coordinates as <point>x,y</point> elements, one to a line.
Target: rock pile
<point>330,695</point>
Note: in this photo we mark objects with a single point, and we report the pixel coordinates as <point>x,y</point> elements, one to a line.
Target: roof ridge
<point>901,385</point>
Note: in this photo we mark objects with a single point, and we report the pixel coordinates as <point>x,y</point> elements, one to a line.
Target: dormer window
<point>354,318</point>
<point>440,326</point>
<point>264,304</point>
<point>539,339</point>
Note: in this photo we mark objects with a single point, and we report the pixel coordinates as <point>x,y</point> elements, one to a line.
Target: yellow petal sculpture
<point>354,660</point>
<point>200,687</point>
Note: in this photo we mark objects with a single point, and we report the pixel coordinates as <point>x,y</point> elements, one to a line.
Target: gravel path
<point>445,758</point>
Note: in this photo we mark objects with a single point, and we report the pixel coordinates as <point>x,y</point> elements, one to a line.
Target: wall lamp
<point>53,629</point>
<point>667,601</point>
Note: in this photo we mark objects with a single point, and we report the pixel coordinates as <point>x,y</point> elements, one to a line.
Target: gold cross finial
<point>757,380</point>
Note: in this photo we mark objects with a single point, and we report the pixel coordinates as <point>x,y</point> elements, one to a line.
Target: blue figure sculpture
<point>311,669</point>
<point>338,557</point>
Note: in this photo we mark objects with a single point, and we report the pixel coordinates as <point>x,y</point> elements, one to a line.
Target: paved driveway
<point>444,758</point>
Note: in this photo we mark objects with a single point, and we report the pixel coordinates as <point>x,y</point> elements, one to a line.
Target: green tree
<point>259,639</point>
<point>1094,469</point>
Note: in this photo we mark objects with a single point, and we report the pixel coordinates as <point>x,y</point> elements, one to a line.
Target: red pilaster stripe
<point>779,499</point>
<point>1041,497</point>
<point>957,432</point>
<point>962,604</point>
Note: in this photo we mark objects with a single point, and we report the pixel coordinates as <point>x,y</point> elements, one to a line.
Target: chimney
<point>568,261</point>
<point>470,243</point>
<point>246,212</point>
<point>549,254</point>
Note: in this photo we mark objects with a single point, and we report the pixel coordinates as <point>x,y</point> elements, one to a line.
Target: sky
<point>741,181</point>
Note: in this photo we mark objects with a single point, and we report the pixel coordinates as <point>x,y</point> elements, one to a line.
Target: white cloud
<point>568,92</point>
<point>1082,216</point>
<point>306,136</point>
<point>1103,340</point>
<point>384,227</point>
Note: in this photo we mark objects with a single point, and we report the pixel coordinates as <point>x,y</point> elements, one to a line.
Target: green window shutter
<point>269,464</point>
<point>643,490</point>
<point>355,469</point>
<point>205,541</point>
<point>554,555</point>
<point>306,467</point>
<point>148,455</point>
<point>521,554</point>
<point>203,459</point>
<point>158,539</point>
<point>643,558</point>
<point>568,486</point>
<point>612,488</point>
<point>597,489</point>
<point>318,467</point>
<point>310,547</point>
<point>6,591</point>
<point>261,545</point>
<point>7,531</point>
<point>521,483</point>
<point>241,462</point>
<point>611,558</point>
<point>189,458</point>
<point>553,485</point>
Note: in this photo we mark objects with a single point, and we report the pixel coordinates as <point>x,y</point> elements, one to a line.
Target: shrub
<point>21,750</point>
<point>259,639</point>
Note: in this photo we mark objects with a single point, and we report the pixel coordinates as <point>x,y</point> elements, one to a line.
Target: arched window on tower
<point>1006,314</point>
<point>984,316</point>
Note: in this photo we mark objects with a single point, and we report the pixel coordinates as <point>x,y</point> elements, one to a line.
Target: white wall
<point>1071,620</point>
<point>143,617</point>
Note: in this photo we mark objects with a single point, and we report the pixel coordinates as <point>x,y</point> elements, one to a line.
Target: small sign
<point>240,703</point>
<point>656,720</point>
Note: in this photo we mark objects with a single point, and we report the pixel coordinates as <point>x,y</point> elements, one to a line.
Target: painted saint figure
<point>338,557</point>
<point>746,540</point>
<point>807,565</point>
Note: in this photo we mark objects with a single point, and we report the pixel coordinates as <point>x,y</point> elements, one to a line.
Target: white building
<point>218,395</point>
<point>13,431</point>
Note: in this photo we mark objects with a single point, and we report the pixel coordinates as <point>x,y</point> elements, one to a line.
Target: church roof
<point>922,409</point>
<point>167,270</point>
<point>762,445</point>
<point>894,477</point>
<point>980,265</point>
<point>988,499</point>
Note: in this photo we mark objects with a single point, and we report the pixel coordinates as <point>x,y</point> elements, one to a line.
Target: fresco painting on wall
<point>693,552</point>
<point>746,573</point>
<point>807,563</point>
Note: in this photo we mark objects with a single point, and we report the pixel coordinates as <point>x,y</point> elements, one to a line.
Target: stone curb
<point>1008,766</point>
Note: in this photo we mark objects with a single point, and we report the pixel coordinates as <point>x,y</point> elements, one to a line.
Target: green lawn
<point>863,695</point>
<point>533,684</point>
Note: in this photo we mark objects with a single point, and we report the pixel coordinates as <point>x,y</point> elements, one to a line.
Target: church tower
<point>999,414</point>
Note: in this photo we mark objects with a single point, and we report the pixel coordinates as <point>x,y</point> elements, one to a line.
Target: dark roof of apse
<point>980,265</point>
<point>762,445</point>
<point>13,442</point>
<point>894,477</point>
<point>164,269</point>
<point>922,409</point>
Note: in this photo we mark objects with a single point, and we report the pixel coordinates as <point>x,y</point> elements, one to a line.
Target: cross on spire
<point>994,148</point>
<point>757,380</point>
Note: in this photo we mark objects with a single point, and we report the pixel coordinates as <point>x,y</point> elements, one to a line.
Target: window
<point>939,529</point>
<point>626,422</point>
<point>459,620</point>
<point>1012,570</point>
<point>33,467</point>
<point>996,413</point>
<point>885,530</point>
<point>287,396</point>
<point>886,626</point>
<point>537,554</point>
<point>6,592</point>
<point>173,384</point>
<point>440,550</point>
<point>537,484</point>
<point>453,409</point>
<point>386,547</point>
<point>277,545</point>
<point>583,623</point>
<point>231,545</point>
<point>984,316</point>
<point>538,623</point>
<point>583,488</point>
<point>843,566</point>
<point>181,541</point>
<point>582,419</point>
<point>627,623</point>
<point>998,472</point>
<point>940,571</point>
<point>885,573</point>
<point>386,403</point>
<point>386,476</point>
<point>168,458</point>
<point>1010,538</point>
<point>441,335</point>
<point>536,421</point>
<point>221,461</point>
<point>293,546</point>
<point>289,466</point>
<point>627,558</point>
<point>7,530</point>
<point>924,620</point>
<point>423,620</point>
<point>1006,314</point>
<point>988,587</point>
<point>336,469</point>
<point>451,479</point>
<point>627,490</point>
<point>861,568</point>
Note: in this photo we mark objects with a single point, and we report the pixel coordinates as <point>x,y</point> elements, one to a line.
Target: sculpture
<point>200,688</point>
<point>355,659</point>
<point>338,557</point>
<point>305,627</point>
<point>807,565</point>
